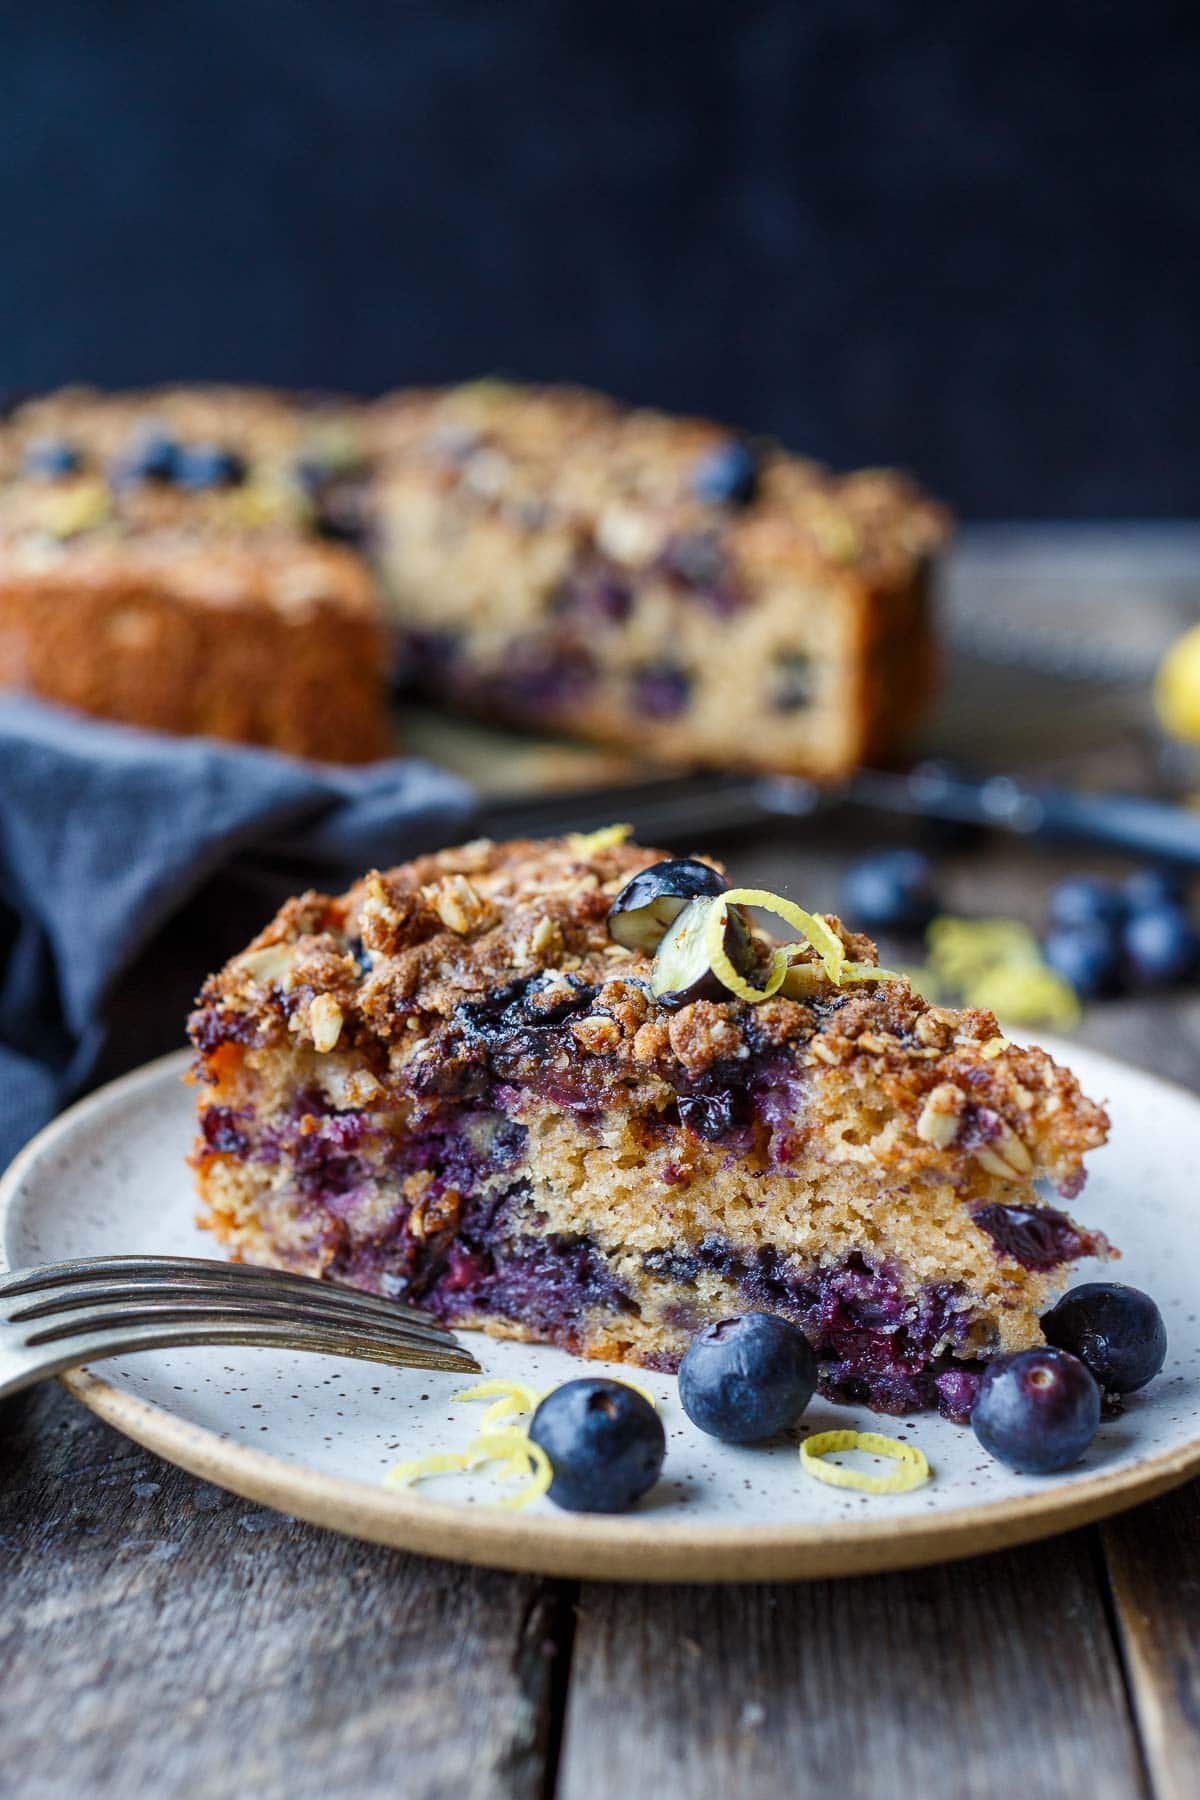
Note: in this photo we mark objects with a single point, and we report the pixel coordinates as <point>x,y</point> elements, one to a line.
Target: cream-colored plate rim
<point>635,1547</point>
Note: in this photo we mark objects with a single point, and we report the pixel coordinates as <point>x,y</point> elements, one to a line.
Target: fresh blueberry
<point>154,457</point>
<point>893,891</point>
<point>727,474</point>
<point>1161,946</point>
<point>1117,1332</point>
<point>1086,956</point>
<point>50,458</point>
<point>605,1443</point>
<point>1086,900</point>
<point>209,466</point>
<point>1146,889</point>
<point>747,1378</point>
<point>1037,1411</point>
<point>654,898</point>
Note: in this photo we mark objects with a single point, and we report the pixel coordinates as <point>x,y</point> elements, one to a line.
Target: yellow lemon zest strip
<point>507,1408</point>
<point>827,1443</point>
<point>722,967</point>
<point>812,928</point>
<point>586,843</point>
<point>524,1399</point>
<point>420,1468</point>
<point>856,971</point>
<point>514,1449</point>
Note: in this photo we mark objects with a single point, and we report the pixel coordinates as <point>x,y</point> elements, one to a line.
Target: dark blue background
<point>959,237</point>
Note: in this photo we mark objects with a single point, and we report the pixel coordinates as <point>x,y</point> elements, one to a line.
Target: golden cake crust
<point>199,610</point>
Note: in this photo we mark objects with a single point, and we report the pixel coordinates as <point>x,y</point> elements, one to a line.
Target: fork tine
<point>162,1309</point>
<point>94,1345</point>
<point>318,1303</point>
<point>200,1316</point>
<point>153,1268</point>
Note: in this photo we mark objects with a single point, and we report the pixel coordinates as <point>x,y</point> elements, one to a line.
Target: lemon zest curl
<point>912,1474</point>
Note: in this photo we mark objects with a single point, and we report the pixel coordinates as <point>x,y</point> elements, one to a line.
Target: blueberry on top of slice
<point>683,971</point>
<point>605,1442</point>
<point>209,466</point>
<point>49,459</point>
<point>654,899</point>
<point>1116,1331</point>
<point>727,474</point>
<point>1036,1411</point>
<point>746,1378</point>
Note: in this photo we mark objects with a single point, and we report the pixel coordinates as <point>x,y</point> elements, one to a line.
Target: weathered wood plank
<point>159,1636</point>
<point>1154,1564</point>
<point>994,1677</point>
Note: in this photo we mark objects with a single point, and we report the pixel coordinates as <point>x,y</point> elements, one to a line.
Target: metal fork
<point>64,1314</point>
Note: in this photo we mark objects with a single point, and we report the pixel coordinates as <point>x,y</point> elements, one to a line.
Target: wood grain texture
<point>993,1678</point>
<point>1154,1565</point>
<point>159,1636</point>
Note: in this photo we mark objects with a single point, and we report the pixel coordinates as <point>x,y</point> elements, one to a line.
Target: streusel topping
<point>413,969</point>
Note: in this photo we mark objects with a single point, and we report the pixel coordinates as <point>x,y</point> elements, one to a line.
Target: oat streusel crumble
<point>451,1084</point>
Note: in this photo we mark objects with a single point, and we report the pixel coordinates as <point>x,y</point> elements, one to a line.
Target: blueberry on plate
<point>49,459</point>
<point>1161,946</point>
<point>605,1443</point>
<point>1036,1411</point>
<point>893,891</point>
<point>639,916</point>
<point>1086,900</point>
<point>209,466</point>
<point>747,1378</point>
<point>1116,1331</point>
<point>727,474</point>
<point>1088,956</point>
<point>1146,889</point>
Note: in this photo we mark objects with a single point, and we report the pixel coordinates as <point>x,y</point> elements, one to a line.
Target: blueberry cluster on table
<point>1103,937</point>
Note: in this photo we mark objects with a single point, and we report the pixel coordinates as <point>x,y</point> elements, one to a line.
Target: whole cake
<point>556,560</point>
<point>472,1082</point>
<point>206,559</point>
<point>172,559</point>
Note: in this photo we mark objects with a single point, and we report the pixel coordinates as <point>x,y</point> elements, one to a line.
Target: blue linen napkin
<point>131,864</point>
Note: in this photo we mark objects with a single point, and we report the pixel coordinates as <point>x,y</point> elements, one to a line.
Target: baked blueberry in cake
<point>557,560</point>
<point>571,1092</point>
<point>172,559</point>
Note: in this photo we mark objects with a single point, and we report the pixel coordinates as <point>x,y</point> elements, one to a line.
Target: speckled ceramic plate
<point>314,1436</point>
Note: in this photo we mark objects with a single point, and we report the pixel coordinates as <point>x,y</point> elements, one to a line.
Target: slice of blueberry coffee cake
<point>172,559</point>
<point>569,1092</point>
<point>556,560</point>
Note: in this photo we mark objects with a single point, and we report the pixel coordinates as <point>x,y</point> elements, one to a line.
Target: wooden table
<point>160,1637</point>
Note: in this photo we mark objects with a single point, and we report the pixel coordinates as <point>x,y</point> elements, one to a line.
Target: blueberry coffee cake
<point>570,1092</point>
<point>556,560</point>
<point>173,559</point>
